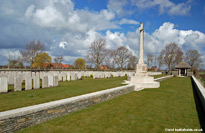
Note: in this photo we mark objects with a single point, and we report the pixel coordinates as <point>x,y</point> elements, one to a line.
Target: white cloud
<point>118,6</point>
<point>56,14</point>
<point>108,15</point>
<point>114,40</point>
<point>180,9</point>
<point>90,37</point>
<point>154,43</point>
<point>6,54</point>
<point>74,30</point>
<point>29,11</point>
<point>186,39</point>
<point>97,20</point>
<point>128,21</point>
<point>63,44</point>
<point>165,6</point>
<point>166,33</point>
<point>49,17</point>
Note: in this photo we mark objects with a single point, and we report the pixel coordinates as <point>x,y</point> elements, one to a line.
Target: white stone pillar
<point>141,61</point>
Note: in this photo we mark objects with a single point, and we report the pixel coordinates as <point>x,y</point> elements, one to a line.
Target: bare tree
<point>160,61</point>
<point>122,56</point>
<point>32,49</point>
<point>114,58</point>
<point>96,53</point>
<point>155,61</point>
<point>58,60</point>
<point>14,60</point>
<point>193,58</point>
<point>108,58</point>
<point>170,54</point>
<point>178,58</point>
<point>132,61</point>
<point>150,59</point>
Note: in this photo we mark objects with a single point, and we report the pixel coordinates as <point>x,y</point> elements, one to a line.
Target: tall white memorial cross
<point>141,61</point>
<point>141,79</point>
<point>141,68</point>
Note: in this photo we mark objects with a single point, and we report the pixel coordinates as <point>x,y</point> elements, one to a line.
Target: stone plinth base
<point>141,68</point>
<point>141,79</point>
<point>142,82</point>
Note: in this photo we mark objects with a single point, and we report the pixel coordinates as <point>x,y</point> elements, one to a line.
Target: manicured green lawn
<point>66,89</point>
<point>150,110</point>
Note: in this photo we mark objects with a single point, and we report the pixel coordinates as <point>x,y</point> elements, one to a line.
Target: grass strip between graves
<point>65,89</point>
<point>150,110</point>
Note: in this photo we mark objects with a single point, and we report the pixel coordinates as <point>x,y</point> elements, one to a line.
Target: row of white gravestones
<point>108,74</point>
<point>49,79</point>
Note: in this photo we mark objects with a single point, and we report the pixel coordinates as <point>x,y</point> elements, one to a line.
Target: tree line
<point>121,58</point>
<point>172,55</point>
<point>34,54</point>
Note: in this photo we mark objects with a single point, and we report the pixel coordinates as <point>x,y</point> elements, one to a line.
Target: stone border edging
<point>200,91</point>
<point>163,78</point>
<point>17,119</point>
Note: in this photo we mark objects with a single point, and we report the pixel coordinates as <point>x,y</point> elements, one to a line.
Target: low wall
<point>17,119</point>
<point>200,90</point>
<point>154,73</point>
<point>163,78</point>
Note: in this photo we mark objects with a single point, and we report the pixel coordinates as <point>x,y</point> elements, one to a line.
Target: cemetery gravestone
<point>3,84</point>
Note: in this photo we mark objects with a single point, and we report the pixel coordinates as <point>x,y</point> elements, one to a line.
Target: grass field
<point>150,110</point>
<point>66,89</point>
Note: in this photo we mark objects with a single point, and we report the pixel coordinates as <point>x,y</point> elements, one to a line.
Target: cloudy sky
<point>68,27</point>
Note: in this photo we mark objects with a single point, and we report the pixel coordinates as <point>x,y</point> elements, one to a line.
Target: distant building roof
<point>56,65</point>
<point>104,67</point>
<point>66,65</point>
<point>182,65</point>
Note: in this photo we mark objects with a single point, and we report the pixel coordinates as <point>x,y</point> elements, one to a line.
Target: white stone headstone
<point>55,81</point>
<point>11,78</point>
<point>28,83</point>
<point>68,76</point>
<point>17,84</point>
<point>45,82</point>
<point>3,84</point>
<point>36,82</point>
<point>50,80</point>
<point>64,76</point>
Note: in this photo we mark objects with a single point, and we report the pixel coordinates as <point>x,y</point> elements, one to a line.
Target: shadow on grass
<point>199,107</point>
